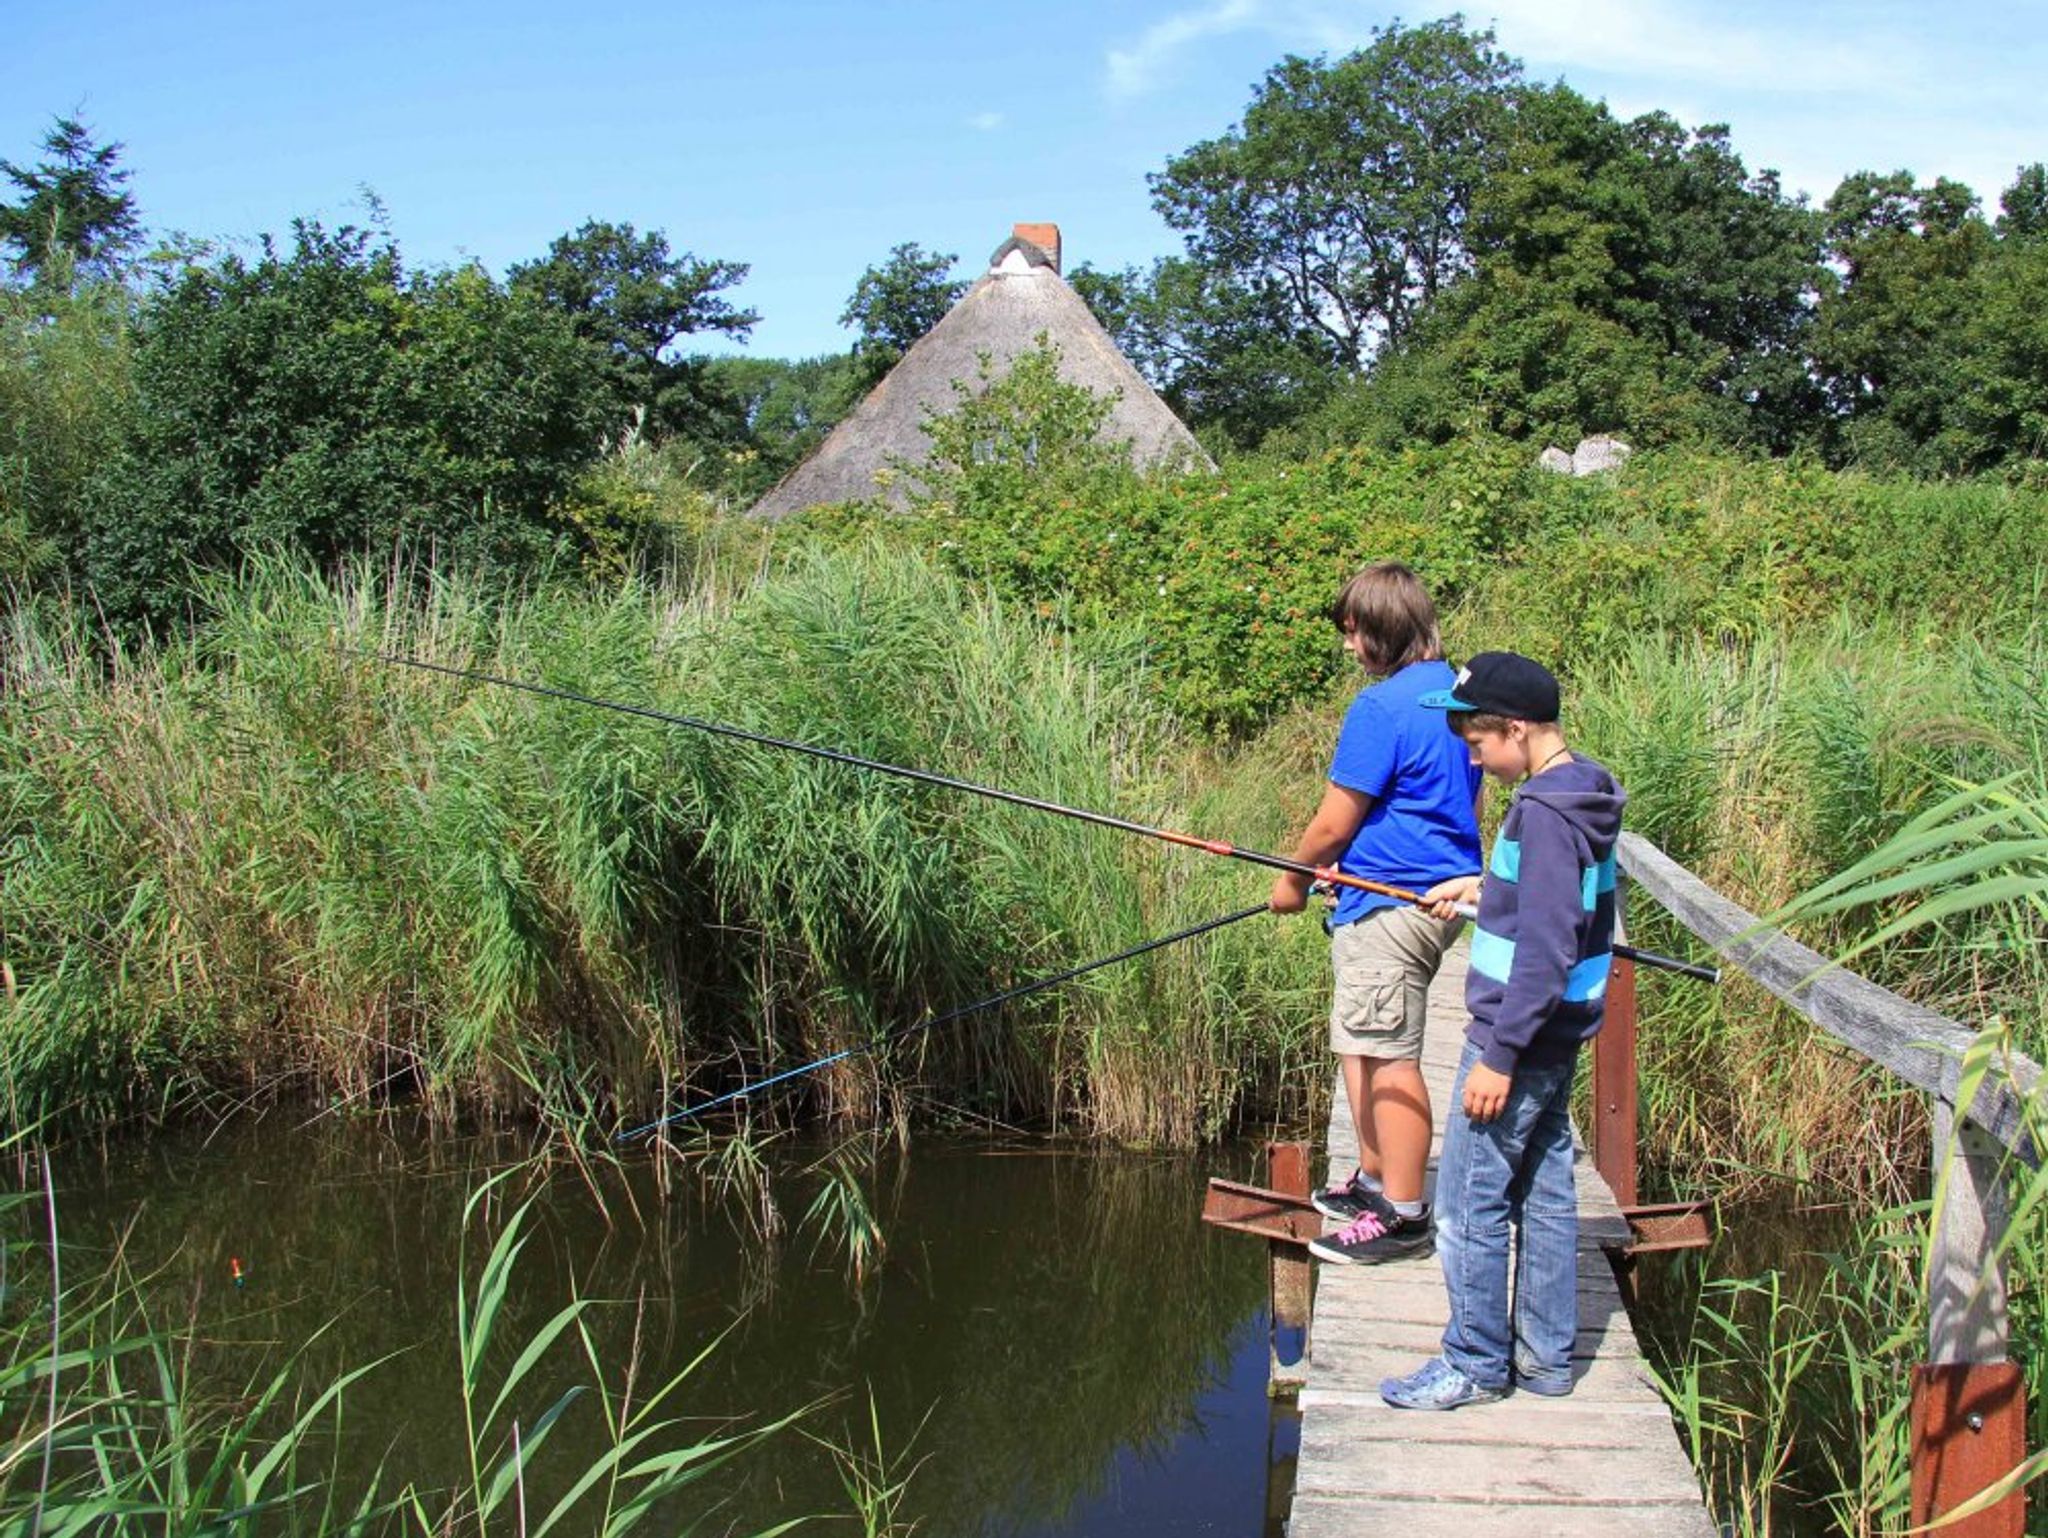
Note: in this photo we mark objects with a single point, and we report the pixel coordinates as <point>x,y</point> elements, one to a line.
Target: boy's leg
<point>1546,1318</point>
<point>1472,1209</point>
<point>1399,1101</point>
<point>1350,1196</point>
<point>1383,965</point>
<point>1357,1093</point>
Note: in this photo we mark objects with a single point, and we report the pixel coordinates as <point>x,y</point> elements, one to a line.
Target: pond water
<point>1050,1340</point>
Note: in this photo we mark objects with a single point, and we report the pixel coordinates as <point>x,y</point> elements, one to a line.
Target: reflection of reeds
<point>1048,1308</point>
<point>259,861</point>
<point>114,1425</point>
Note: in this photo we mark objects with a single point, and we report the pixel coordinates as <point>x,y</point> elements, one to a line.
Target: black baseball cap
<point>1500,684</point>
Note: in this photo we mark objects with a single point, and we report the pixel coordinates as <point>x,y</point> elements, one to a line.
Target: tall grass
<point>1769,770</point>
<point>263,862</point>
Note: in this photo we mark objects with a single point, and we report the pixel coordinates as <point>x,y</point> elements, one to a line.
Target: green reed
<point>1770,771</point>
<point>261,862</point>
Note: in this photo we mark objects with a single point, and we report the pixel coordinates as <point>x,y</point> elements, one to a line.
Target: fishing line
<point>1038,985</point>
<point>1324,873</point>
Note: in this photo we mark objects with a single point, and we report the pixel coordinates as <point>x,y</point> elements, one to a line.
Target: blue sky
<point>806,138</point>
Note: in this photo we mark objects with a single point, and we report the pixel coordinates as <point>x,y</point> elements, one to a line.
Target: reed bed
<point>1769,771</point>
<point>262,862</point>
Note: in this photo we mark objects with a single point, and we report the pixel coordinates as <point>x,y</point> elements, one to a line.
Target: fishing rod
<point>1039,985</point>
<point>1327,874</point>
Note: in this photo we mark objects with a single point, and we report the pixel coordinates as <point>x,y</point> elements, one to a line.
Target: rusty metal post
<point>1287,1171</point>
<point>1969,1407</point>
<point>1614,1087</point>
<point>1969,1431</point>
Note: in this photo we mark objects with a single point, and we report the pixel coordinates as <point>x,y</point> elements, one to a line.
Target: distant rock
<point>1598,453</point>
<point>1555,458</point>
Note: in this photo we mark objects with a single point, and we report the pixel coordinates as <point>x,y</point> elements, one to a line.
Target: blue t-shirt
<point>1422,781</point>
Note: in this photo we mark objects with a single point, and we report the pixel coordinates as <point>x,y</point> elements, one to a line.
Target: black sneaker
<point>1370,1241</point>
<point>1351,1201</point>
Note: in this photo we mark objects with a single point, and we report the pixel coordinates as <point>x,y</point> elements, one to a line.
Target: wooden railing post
<point>1969,1411</point>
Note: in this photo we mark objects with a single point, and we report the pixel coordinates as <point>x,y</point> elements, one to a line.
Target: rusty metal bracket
<point>1668,1226</point>
<point>1255,1210</point>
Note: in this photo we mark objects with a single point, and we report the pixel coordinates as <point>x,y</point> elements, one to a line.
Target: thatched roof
<point>1020,297</point>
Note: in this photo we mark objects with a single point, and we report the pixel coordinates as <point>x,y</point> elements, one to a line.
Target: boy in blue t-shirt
<point>1541,949</point>
<point>1399,809</point>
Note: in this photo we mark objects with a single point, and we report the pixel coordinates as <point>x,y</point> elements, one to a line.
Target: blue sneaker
<point>1436,1385</point>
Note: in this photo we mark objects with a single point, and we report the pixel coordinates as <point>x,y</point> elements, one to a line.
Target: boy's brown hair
<point>1470,723</point>
<point>1391,610</point>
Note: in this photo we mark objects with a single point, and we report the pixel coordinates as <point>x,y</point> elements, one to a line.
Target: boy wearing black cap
<point>1536,989</point>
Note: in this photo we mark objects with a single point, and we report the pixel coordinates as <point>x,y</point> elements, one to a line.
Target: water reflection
<point>1083,1356</point>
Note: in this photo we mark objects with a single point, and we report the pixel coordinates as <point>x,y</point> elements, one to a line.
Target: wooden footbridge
<point>1608,1459</point>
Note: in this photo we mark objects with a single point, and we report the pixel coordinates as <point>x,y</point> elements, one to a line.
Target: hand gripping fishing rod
<point>1328,874</point>
<point>1037,985</point>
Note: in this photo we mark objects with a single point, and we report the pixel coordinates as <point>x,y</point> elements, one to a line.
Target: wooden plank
<point>1524,1422</point>
<point>1484,1475</point>
<point>1614,1078</point>
<point>1921,1047</point>
<point>1317,1516</point>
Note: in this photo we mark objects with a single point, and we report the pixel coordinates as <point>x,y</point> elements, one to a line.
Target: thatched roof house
<point>1020,297</point>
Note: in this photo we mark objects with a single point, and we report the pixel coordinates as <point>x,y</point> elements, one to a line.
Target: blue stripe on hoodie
<point>1542,946</point>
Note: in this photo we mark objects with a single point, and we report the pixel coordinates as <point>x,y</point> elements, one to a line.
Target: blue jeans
<point>1511,1175</point>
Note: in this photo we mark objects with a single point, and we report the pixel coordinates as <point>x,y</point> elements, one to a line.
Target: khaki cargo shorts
<point>1383,965</point>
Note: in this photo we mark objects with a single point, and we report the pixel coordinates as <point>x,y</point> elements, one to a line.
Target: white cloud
<point>1691,42</point>
<point>986,122</point>
<point>1677,41</point>
<point>1136,70</point>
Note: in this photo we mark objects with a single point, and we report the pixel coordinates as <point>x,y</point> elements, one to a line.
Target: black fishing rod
<point>1327,874</point>
<point>1022,990</point>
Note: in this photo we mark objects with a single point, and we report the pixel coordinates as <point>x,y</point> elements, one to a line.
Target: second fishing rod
<point>1325,874</point>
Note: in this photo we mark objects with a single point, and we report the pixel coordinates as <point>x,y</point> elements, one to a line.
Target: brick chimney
<point>1044,236</point>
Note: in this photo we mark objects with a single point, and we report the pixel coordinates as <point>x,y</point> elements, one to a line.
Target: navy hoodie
<point>1541,947</point>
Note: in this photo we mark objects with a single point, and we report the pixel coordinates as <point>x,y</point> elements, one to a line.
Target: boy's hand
<point>1290,893</point>
<point>1486,1092</point>
<point>1459,889</point>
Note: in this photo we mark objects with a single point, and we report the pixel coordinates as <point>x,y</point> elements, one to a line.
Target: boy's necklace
<point>1560,753</point>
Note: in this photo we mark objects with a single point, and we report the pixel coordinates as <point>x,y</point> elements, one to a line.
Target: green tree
<point>1017,451</point>
<point>2023,210</point>
<point>329,402</point>
<point>1221,354</point>
<point>634,300</point>
<point>1630,277</point>
<point>787,407</point>
<point>897,302</point>
<point>1345,193</point>
<point>1889,337</point>
<point>73,215</point>
<point>1999,412</point>
<point>65,399</point>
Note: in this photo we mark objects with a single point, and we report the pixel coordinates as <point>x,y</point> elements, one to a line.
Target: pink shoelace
<point>1366,1225</point>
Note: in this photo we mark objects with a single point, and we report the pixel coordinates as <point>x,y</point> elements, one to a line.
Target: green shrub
<point>328,403</point>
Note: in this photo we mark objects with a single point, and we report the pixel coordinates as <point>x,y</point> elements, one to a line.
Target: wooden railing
<point>1968,1405</point>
